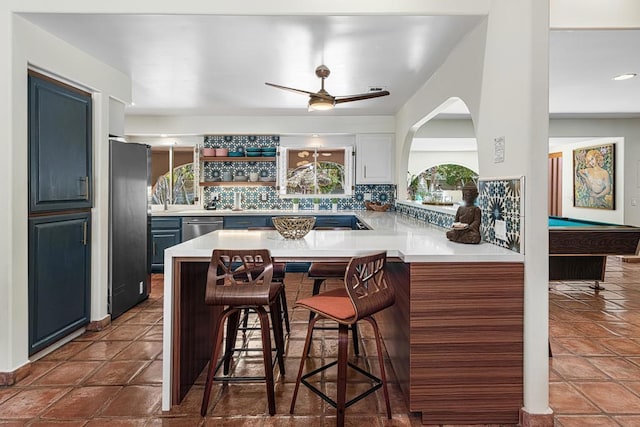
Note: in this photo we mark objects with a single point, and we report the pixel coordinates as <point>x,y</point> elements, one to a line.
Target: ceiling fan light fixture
<point>320,104</point>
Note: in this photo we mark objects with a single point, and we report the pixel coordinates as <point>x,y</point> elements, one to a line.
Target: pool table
<point>578,249</point>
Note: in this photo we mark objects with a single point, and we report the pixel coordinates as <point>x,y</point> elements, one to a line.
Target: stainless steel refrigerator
<point>129,225</point>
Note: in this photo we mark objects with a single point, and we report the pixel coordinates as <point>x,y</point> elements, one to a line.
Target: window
<point>309,171</point>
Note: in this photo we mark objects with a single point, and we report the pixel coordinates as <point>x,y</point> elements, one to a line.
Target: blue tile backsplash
<point>501,199</point>
<point>254,197</point>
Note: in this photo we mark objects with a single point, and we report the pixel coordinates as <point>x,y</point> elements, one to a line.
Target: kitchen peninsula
<point>454,335</point>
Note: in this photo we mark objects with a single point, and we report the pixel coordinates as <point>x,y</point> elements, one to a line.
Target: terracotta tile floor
<point>113,377</point>
<point>595,341</point>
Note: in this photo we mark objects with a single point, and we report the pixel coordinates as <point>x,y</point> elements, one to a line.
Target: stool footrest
<point>377,384</point>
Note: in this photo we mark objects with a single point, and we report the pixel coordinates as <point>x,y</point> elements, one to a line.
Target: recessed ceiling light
<point>625,76</point>
<point>163,135</point>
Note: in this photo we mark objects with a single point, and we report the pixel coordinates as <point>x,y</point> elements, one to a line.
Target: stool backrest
<point>233,268</point>
<point>366,282</point>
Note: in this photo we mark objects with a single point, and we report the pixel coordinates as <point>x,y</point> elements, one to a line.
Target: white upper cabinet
<point>374,158</point>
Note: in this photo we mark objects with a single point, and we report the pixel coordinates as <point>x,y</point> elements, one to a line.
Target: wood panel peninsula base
<point>455,339</point>
<point>454,336</point>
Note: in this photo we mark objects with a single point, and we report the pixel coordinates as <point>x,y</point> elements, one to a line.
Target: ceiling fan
<point>322,100</point>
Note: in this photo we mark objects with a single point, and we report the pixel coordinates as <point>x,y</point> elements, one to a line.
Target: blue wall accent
<point>383,193</point>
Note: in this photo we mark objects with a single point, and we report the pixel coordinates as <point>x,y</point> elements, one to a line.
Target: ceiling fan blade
<point>306,92</point>
<point>341,99</point>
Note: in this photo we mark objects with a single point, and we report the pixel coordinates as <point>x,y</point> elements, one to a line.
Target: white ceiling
<point>217,65</point>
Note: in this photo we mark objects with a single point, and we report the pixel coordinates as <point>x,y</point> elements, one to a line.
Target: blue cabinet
<point>247,221</point>
<point>165,232</point>
<point>60,136</point>
<point>59,277</point>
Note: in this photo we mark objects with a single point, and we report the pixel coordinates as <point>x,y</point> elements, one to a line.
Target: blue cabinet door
<point>244,222</point>
<point>59,277</point>
<point>60,138</point>
<point>165,232</point>
<point>161,240</point>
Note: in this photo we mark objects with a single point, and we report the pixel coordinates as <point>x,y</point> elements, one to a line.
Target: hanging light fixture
<point>317,103</point>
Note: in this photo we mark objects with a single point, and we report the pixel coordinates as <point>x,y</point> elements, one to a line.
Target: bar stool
<point>279,269</point>
<point>254,290</point>
<point>321,271</point>
<point>365,293</point>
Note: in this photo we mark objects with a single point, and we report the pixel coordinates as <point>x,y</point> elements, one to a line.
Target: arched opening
<point>443,154</point>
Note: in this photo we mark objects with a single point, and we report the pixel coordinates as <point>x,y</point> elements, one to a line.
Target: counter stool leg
<point>232,333</point>
<point>278,334</point>
<point>343,354</point>
<point>307,345</point>
<point>266,355</point>
<point>217,344</point>
<point>383,376</point>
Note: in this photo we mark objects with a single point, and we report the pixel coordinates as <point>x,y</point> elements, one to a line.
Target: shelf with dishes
<point>237,184</point>
<point>238,159</point>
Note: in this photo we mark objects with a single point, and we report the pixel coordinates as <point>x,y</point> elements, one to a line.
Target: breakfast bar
<point>454,335</point>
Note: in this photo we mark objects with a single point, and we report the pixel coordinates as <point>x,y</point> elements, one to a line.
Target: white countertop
<point>401,236</point>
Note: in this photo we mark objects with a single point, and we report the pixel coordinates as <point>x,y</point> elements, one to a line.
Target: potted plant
<point>296,204</point>
<point>316,204</point>
<point>334,205</point>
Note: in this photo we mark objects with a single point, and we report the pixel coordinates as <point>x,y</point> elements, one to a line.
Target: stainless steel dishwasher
<point>194,226</point>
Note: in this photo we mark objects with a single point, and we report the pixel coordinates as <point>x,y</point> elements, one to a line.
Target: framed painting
<point>594,177</point>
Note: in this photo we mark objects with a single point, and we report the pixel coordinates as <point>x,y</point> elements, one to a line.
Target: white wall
<point>500,71</point>
<point>32,47</point>
<point>269,125</point>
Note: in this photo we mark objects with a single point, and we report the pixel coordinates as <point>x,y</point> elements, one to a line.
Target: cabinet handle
<point>84,233</point>
<point>365,171</point>
<point>86,187</point>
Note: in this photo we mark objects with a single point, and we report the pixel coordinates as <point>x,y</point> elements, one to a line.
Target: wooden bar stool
<point>321,271</point>
<point>366,292</point>
<point>254,290</point>
<point>279,270</point>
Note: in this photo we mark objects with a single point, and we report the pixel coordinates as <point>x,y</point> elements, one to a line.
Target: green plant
<point>295,201</point>
<point>455,175</point>
<point>316,200</point>
<point>334,200</point>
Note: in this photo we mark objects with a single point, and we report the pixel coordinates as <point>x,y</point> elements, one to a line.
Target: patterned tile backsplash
<point>425,213</point>
<point>501,200</point>
<point>266,197</point>
<point>498,199</point>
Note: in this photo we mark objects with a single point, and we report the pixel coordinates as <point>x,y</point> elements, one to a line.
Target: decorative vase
<point>334,207</point>
<point>316,207</point>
